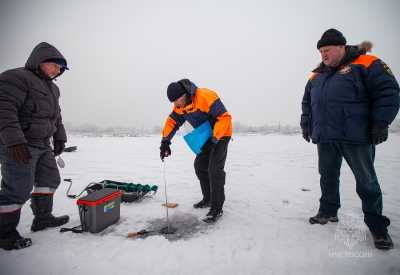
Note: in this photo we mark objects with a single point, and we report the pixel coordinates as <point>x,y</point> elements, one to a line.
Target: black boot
<point>202,204</point>
<point>213,215</point>
<point>322,218</point>
<point>9,236</point>
<point>42,206</point>
<point>382,241</point>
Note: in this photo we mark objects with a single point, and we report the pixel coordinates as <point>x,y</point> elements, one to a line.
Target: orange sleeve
<point>168,127</point>
<point>223,126</point>
<point>209,102</point>
<point>172,124</point>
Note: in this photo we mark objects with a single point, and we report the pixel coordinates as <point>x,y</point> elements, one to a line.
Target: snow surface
<point>264,229</point>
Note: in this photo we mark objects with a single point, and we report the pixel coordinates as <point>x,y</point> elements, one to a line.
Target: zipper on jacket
<point>54,116</point>
<point>325,101</point>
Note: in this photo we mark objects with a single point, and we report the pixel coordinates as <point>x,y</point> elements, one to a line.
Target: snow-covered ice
<point>272,187</point>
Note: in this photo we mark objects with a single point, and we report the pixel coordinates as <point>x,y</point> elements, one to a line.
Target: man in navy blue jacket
<point>349,102</point>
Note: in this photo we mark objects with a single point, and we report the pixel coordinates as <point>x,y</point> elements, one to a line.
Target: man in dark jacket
<point>30,116</point>
<point>349,101</point>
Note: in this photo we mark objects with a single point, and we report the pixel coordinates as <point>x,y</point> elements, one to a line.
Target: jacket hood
<point>189,86</point>
<point>42,52</point>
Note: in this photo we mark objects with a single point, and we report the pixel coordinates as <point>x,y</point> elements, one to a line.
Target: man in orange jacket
<point>198,105</point>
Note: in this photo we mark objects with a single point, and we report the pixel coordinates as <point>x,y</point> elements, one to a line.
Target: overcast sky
<point>123,54</point>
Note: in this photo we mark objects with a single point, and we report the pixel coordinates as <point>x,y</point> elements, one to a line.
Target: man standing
<point>349,101</point>
<point>198,105</point>
<point>30,116</point>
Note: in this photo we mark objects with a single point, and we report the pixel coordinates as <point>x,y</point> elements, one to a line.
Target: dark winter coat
<point>29,107</point>
<point>342,104</point>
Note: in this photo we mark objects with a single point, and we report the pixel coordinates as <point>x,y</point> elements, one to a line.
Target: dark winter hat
<point>331,37</point>
<point>58,61</point>
<point>175,91</point>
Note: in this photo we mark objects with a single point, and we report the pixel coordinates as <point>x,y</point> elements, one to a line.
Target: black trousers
<point>360,158</point>
<point>209,166</point>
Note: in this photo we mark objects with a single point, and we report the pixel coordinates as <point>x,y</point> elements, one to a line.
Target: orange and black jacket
<point>204,105</point>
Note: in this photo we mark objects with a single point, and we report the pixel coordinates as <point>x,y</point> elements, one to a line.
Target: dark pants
<point>18,179</point>
<point>360,159</point>
<point>209,166</point>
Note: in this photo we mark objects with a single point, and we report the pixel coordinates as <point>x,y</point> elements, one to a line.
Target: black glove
<point>306,135</point>
<point>214,143</point>
<point>59,146</point>
<point>210,145</point>
<point>165,150</point>
<point>379,133</point>
<point>19,153</point>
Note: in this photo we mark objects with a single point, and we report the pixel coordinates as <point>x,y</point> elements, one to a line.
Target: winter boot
<point>9,236</point>
<point>213,215</point>
<point>382,241</point>
<point>322,218</point>
<point>202,204</point>
<point>42,206</point>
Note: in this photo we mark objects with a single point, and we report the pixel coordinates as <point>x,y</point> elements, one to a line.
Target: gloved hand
<point>210,145</point>
<point>214,143</point>
<point>19,153</point>
<point>306,135</point>
<point>379,133</point>
<point>214,140</point>
<point>165,150</point>
<point>59,146</point>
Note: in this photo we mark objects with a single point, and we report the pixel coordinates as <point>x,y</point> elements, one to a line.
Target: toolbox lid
<point>99,197</point>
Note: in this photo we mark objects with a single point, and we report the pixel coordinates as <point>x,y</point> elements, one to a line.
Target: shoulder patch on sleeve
<point>386,68</point>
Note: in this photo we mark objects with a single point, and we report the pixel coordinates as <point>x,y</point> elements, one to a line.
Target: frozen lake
<point>272,189</point>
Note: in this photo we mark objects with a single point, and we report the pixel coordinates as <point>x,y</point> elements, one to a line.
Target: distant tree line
<point>238,127</point>
<point>89,129</point>
<point>288,129</point>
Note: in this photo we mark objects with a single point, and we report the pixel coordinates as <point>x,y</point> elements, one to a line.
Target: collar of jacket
<point>352,52</point>
<point>42,75</point>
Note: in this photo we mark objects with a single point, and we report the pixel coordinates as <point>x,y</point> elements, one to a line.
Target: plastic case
<point>99,209</point>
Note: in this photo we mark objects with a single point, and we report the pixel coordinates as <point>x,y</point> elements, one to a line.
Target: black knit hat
<point>175,91</point>
<point>331,37</point>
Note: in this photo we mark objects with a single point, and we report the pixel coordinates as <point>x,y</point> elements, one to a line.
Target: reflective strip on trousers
<point>43,190</point>
<point>10,208</point>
